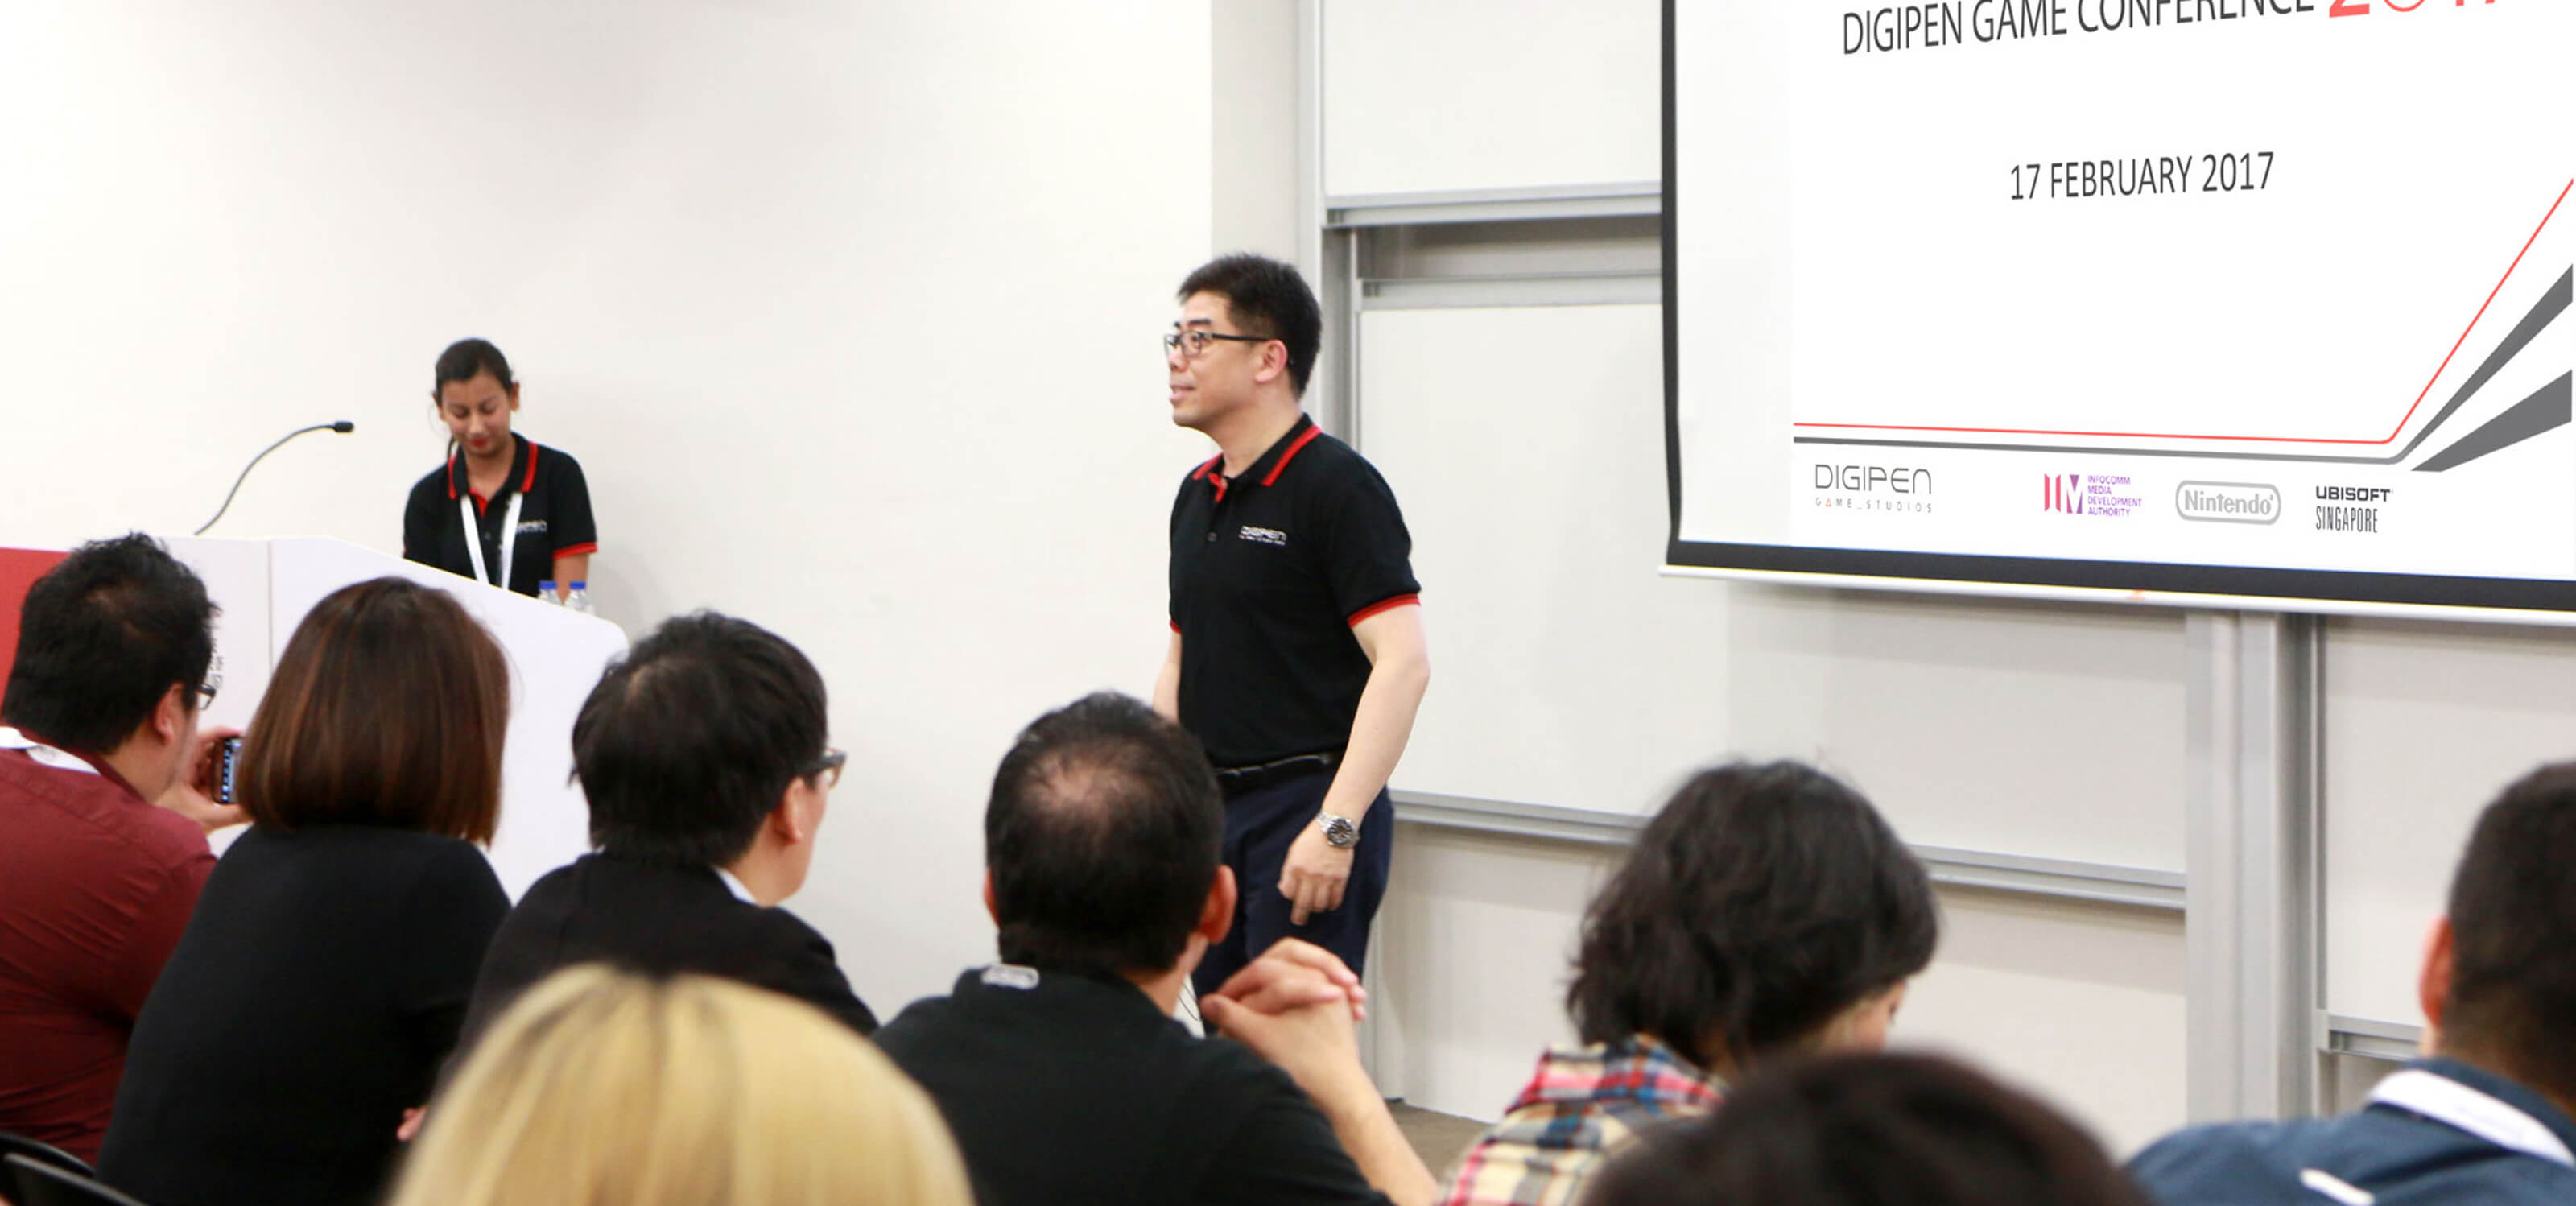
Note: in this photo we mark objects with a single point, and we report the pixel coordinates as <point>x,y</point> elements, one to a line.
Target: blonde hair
<point>600,1088</point>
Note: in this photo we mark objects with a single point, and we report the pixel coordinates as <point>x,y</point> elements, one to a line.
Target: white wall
<point>1440,95</point>
<point>2425,724</point>
<point>1254,132</point>
<point>847,309</point>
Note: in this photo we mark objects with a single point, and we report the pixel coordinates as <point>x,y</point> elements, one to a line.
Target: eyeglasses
<point>214,682</point>
<point>828,767</point>
<point>1196,341</point>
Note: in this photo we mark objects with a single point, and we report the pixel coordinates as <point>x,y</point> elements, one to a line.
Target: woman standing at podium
<point>502,510</point>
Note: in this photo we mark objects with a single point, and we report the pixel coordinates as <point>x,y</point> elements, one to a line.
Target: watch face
<point>1339,831</point>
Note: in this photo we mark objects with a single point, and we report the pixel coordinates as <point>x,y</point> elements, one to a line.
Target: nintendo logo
<point>2227,502</point>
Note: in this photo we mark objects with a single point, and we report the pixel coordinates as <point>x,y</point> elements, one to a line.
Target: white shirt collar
<point>736,887</point>
<point>2447,1101</point>
<point>44,755</point>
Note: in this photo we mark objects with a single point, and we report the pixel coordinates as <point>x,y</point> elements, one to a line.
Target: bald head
<point>1102,839</point>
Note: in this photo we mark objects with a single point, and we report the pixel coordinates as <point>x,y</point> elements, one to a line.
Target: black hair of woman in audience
<point>325,972</point>
<point>1868,1130</point>
<point>500,509</point>
<point>1765,913</point>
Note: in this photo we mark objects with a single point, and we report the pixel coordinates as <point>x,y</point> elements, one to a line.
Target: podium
<point>265,587</point>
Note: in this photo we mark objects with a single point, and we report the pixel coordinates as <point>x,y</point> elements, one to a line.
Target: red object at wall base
<point>19,569</point>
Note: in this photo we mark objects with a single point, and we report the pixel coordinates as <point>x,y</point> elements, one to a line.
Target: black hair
<point>101,637</point>
<point>1760,903</point>
<point>1267,298</point>
<point>2512,1001</point>
<point>1868,1130</point>
<point>1102,838</point>
<point>467,359</point>
<point>688,742</point>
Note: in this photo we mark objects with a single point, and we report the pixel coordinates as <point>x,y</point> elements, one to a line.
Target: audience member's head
<point>1267,298</point>
<point>114,643</point>
<point>388,708</point>
<point>2500,982</point>
<point>704,746</point>
<point>1102,842</point>
<point>1868,1130</point>
<point>602,1087</point>
<point>1765,908</point>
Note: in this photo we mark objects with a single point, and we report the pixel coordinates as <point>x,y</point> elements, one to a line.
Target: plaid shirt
<point>1583,1104</point>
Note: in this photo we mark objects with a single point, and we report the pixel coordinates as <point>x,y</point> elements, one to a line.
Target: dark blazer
<point>660,919</point>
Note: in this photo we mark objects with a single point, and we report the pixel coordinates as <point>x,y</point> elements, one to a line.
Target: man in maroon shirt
<point>103,823</point>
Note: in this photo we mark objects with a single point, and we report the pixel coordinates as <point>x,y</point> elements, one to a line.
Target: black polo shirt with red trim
<point>554,521</point>
<point>1270,571</point>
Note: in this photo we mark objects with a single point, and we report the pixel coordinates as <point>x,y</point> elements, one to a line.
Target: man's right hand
<point>1292,973</point>
<point>1296,1006</point>
<point>1316,1044</point>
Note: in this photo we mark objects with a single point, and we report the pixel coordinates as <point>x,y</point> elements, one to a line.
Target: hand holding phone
<point>229,765</point>
<point>214,771</point>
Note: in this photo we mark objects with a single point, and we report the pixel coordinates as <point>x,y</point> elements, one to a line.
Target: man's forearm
<point>1378,734</point>
<point>1369,1133</point>
<point>1167,681</point>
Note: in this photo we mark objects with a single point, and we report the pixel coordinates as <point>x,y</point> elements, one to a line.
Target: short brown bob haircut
<point>387,709</point>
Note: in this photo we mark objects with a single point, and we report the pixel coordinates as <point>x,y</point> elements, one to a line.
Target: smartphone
<point>224,772</point>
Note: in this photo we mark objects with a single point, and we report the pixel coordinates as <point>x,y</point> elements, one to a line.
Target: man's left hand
<point>191,795</point>
<point>1313,877</point>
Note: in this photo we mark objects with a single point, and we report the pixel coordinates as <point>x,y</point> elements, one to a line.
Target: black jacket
<point>661,920</point>
<point>319,984</point>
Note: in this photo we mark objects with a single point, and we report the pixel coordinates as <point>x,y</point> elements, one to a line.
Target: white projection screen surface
<point>2239,302</point>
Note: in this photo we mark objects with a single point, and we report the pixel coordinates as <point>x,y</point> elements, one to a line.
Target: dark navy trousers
<point>1259,825</point>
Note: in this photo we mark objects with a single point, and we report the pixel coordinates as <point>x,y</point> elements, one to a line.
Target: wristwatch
<point>1339,832</point>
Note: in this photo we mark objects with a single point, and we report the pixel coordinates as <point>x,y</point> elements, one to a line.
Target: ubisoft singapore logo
<point>2228,502</point>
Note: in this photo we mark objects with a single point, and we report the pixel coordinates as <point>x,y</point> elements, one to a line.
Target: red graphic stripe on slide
<point>2548,308</point>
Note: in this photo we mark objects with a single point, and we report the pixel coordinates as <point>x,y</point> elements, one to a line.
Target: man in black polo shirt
<point>1297,654</point>
<point>1061,1071</point>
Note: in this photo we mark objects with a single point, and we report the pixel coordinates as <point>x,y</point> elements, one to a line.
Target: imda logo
<point>2228,502</point>
<point>2100,495</point>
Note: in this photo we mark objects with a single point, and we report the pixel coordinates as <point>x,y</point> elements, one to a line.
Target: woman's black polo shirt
<point>554,521</point>
<point>1270,572</point>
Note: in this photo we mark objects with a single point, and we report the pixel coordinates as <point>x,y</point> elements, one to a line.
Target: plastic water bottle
<point>546,593</point>
<point>579,599</point>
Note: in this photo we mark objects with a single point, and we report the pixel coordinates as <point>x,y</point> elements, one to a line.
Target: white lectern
<point>266,586</point>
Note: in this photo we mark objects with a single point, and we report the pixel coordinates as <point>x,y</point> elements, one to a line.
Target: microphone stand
<point>343,426</point>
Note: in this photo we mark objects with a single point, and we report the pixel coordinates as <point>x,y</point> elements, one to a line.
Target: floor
<point>1439,1138</point>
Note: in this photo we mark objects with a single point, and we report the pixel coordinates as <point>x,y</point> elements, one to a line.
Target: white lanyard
<point>2447,1101</point>
<point>45,755</point>
<point>509,538</point>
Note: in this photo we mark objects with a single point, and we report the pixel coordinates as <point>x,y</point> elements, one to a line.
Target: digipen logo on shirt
<point>1270,536</point>
<point>532,527</point>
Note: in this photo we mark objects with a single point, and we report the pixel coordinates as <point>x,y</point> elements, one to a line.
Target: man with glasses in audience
<point>2489,1115</point>
<point>702,754</point>
<point>1297,654</point>
<point>1061,1070</point>
<point>114,661</point>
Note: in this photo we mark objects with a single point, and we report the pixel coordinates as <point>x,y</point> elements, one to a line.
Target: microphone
<point>343,426</point>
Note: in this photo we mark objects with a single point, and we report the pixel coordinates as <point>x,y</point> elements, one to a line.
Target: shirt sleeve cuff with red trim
<point>1384,605</point>
<point>576,550</point>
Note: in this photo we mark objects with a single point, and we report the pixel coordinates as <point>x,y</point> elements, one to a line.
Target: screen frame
<point>2348,592</point>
